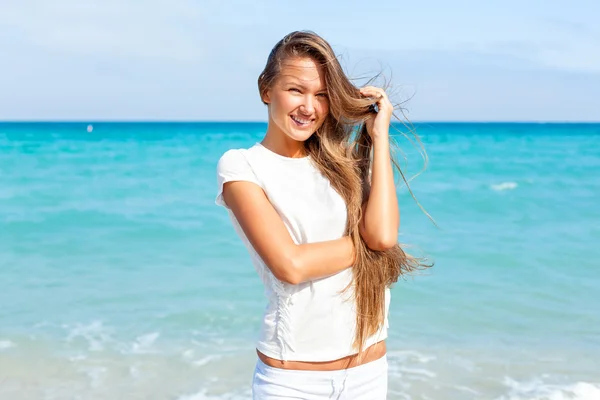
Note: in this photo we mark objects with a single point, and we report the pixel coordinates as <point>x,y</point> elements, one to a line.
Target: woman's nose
<point>308,105</point>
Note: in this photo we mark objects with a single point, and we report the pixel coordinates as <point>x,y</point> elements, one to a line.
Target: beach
<point>121,279</point>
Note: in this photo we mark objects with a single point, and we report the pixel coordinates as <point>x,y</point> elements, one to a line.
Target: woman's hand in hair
<point>379,124</point>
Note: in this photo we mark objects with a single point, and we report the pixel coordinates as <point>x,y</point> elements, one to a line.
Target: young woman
<point>315,204</point>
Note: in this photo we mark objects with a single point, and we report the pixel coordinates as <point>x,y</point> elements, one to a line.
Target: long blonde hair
<point>341,150</point>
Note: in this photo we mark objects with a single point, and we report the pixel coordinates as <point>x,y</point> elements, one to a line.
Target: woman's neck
<point>280,143</point>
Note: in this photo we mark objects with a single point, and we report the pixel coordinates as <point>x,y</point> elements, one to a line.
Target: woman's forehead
<point>305,70</point>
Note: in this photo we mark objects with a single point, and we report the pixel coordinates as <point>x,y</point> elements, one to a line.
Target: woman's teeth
<point>301,121</point>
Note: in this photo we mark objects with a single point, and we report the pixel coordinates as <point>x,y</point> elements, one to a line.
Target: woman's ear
<point>266,97</point>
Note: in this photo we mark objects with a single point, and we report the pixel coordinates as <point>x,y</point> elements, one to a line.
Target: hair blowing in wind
<point>341,149</point>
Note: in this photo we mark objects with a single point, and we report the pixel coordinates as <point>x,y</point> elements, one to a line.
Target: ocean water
<point>120,278</point>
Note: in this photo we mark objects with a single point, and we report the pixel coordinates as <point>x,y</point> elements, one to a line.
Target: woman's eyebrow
<point>297,83</point>
<point>292,80</point>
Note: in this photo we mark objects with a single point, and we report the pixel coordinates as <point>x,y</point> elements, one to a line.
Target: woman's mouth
<point>301,122</point>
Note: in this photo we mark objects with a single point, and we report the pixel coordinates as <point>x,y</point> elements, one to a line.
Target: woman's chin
<point>299,135</point>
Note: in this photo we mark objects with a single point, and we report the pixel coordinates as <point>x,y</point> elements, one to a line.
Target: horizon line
<point>193,121</point>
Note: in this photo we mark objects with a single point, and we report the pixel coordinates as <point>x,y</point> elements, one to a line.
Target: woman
<point>315,204</point>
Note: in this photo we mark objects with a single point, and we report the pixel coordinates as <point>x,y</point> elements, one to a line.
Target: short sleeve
<point>233,166</point>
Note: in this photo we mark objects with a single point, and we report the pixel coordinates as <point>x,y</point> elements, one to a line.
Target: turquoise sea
<point>121,279</point>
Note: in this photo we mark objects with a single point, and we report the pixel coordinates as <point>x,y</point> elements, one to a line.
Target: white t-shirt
<point>312,321</point>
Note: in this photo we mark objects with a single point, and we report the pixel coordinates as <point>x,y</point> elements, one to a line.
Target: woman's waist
<point>327,323</point>
<point>371,353</point>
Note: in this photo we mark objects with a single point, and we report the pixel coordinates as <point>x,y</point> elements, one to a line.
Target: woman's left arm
<point>381,215</point>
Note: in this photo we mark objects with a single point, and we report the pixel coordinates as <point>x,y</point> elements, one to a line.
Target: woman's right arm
<point>269,236</point>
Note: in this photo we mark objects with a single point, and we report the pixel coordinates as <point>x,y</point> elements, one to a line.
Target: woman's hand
<point>379,124</point>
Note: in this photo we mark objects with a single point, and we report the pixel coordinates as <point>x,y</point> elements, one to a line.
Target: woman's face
<point>298,102</point>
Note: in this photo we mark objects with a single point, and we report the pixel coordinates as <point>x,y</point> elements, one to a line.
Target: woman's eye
<point>294,90</point>
<point>324,95</point>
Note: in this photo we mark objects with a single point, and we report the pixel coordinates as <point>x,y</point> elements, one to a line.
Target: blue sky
<point>199,60</point>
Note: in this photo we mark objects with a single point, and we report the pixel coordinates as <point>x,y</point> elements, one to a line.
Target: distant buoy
<point>90,128</point>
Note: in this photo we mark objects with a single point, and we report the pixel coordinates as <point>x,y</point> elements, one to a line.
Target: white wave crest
<point>95,333</point>
<point>206,360</point>
<point>410,356</point>
<point>538,390</point>
<point>504,186</point>
<point>5,344</point>
<point>144,343</point>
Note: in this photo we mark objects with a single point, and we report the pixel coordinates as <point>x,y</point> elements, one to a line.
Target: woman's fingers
<point>375,92</point>
<point>373,89</point>
<point>370,90</point>
<point>378,93</point>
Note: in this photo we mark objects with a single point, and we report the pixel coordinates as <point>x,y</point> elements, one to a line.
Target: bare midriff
<point>372,353</point>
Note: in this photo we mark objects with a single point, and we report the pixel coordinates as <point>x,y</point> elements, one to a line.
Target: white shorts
<point>365,382</point>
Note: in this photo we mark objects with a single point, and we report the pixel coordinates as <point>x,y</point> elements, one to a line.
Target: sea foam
<point>5,344</point>
<point>539,390</point>
<point>504,186</point>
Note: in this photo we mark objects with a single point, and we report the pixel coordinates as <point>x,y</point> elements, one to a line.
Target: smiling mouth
<point>302,122</point>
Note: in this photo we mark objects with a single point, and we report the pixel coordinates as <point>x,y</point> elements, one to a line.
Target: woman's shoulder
<point>232,155</point>
<point>236,156</point>
<point>241,163</point>
<point>233,165</point>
